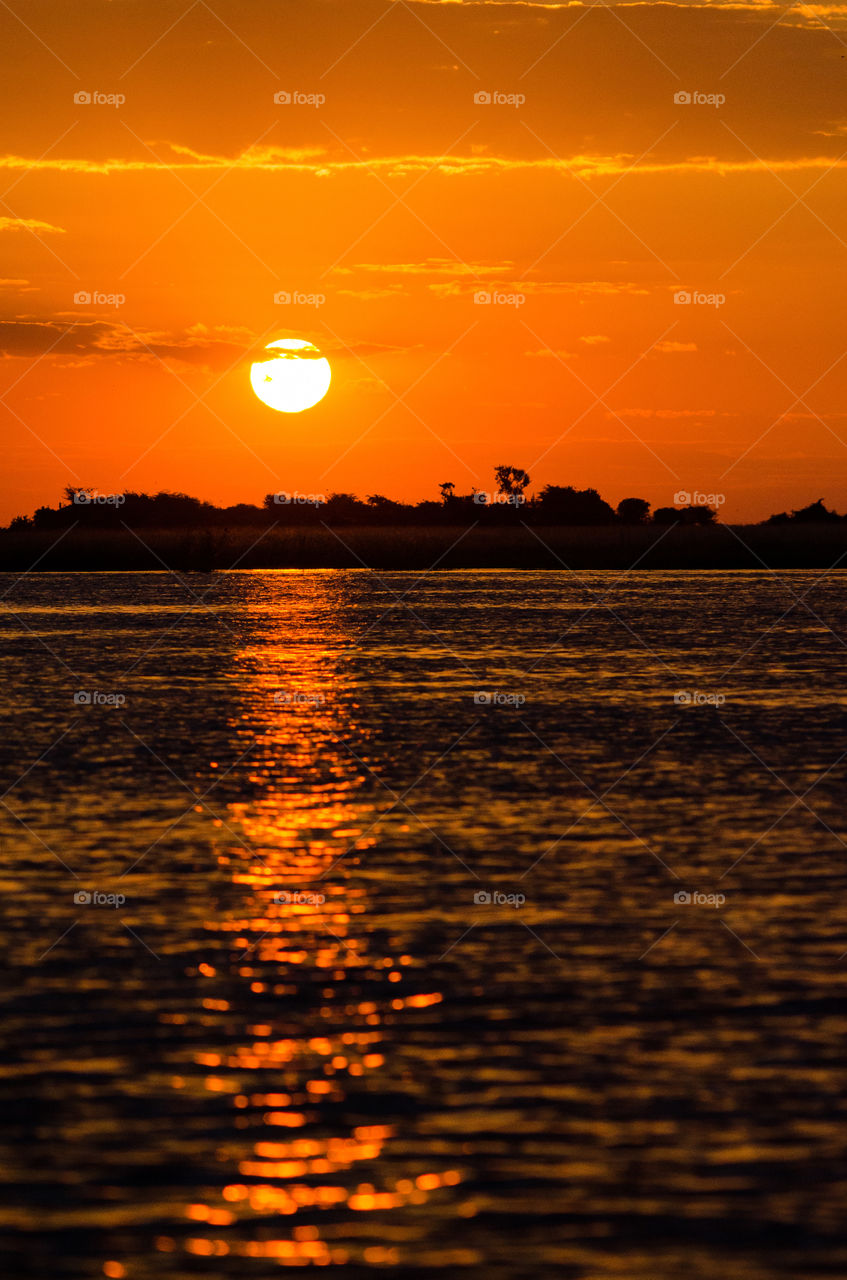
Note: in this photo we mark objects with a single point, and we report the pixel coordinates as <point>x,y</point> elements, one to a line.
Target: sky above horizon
<point>424,155</point>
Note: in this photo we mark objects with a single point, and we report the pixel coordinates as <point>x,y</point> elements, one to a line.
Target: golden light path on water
<point>212,1082</point>
<point>298,831</point>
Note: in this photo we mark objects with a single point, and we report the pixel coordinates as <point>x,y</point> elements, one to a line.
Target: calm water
<point>383,1074</point>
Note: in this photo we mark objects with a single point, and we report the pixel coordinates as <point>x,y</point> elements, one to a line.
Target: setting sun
<point>293,377</point>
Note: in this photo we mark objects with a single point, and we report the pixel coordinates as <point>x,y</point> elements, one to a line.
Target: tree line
<point>506,503</point>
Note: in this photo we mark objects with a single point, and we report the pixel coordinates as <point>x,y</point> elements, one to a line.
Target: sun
<point>292,377</point>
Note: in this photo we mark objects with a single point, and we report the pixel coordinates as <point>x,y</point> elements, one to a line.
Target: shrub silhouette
<point>633,511</point>
<point>566,505</point>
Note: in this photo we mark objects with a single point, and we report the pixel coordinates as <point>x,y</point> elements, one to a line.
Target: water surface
<point>395,1070</point>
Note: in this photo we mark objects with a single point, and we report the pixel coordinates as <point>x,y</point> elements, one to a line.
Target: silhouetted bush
<point>685,515</point>
<point>633,511</point>
<point>565,505</point>
<point>814,513</point>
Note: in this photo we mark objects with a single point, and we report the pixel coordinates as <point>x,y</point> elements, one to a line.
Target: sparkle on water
<point>302,1039</point>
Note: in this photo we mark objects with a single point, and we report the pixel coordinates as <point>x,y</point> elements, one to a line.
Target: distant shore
<point>795,546</point>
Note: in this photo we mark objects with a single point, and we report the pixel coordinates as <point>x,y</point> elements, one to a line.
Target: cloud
<point>92,339</point>
<point>431,267</point>
<point>595,339</point>
<point>28,224</point>
<point>576,288</point>
<point>372,295</point>
<point>338,348</point>
<point>768,9</point>
<point>321,164</point>
<point>670,348</point>
<point>550,354</point>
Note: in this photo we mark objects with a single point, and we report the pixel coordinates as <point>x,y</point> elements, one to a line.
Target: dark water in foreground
<point>383,1074</point>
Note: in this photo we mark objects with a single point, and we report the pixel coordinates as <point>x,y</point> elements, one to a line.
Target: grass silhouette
<point>799,546</point>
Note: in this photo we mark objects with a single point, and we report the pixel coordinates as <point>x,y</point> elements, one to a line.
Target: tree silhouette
<point>70,491</point>
<point>815,513</point>
<point>633,510</point>
<point>562,504</point>
<point>511,480</point>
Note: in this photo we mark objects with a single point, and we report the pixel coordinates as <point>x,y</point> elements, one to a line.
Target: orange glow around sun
<point>602,250</point>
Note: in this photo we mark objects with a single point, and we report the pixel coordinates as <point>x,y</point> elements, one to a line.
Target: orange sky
<point>397,200</point>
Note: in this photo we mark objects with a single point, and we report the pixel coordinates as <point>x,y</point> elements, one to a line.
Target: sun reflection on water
<point>302,947</point>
